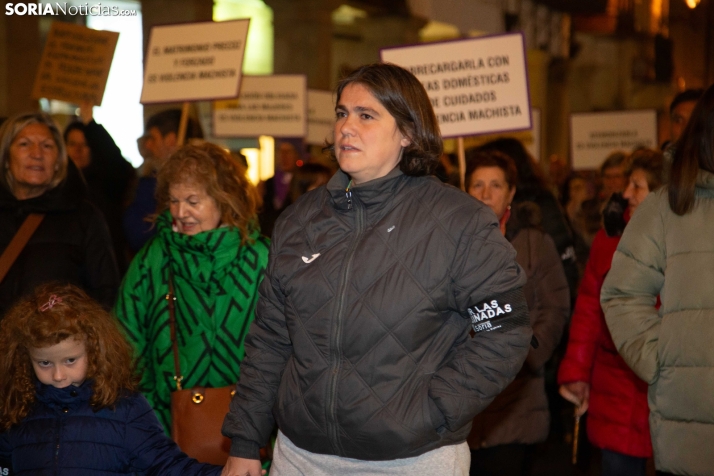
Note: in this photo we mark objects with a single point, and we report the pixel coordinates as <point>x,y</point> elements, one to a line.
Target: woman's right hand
<point>577,393</point>
<point>242,467</point>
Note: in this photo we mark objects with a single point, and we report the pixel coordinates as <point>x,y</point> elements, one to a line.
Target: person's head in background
<point>646,174</point>
<point>529,175</point>
<point>694,153</point>
<point>613,174</point>
<point>77,148</point>
<point>162,130</point>
<point>287,157</point>
<point>558,171</point>
<point>308,177</point>
<point>491,178</point>
<point>577,188</point>
<point>681,110</point>
<point>33,158</point>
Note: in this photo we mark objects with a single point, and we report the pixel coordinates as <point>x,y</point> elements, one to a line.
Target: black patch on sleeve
<point>501,312</point>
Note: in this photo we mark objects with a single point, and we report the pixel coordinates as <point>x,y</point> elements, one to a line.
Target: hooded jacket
<point>64,436</point>
<point>670,256</point>
<point>361,344</point>
<point>216,286</point>
<point>71,245</point>
<point>520,413</point>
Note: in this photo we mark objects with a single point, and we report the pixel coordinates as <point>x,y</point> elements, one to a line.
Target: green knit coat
<point>216,286</point>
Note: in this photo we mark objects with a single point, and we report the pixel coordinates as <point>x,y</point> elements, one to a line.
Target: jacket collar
<point>69,397</point>
<point>374,194</point>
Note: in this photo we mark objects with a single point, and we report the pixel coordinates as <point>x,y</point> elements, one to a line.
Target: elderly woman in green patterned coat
<point>209,241</point>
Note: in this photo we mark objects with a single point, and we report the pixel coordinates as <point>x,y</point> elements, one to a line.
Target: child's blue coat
<point>62,435</point>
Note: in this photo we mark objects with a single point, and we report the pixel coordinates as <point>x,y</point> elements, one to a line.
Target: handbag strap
<point>171,298</point>
<point>18,242</point>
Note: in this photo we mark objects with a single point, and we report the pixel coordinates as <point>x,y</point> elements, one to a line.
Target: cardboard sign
<point>75,64</point>
<point>194,62</point>
<point>320,116</point>
<point>476,86</point>
<point>268,105</point>
<point>593,136</point>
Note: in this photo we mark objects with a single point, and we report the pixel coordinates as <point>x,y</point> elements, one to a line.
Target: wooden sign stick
<point>462,162</point>
<point>182,125</point>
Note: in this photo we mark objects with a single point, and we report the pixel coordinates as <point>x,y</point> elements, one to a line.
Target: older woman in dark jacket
<point>519,416</point>
<point>72,243</point>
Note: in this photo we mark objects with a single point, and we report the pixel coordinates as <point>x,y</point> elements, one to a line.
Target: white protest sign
<point>268,105</point>
<point>320,116</point>
<point>476,86</point>
<point>194,61</point>
<point>593,136</point>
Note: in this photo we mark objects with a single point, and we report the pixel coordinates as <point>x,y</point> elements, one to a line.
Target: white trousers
<point>289,460</point>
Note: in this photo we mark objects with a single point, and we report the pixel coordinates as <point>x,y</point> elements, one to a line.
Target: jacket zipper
<point>337,329</point>
<point>57,443</point>
<point>348,195</point>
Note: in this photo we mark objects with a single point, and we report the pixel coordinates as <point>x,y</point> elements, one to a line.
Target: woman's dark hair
<point>695,150</point>
<point>565,188</point>
<point>651,162</point>
<point>477,158</point>
<point>404,97</point>
<point>529,174</point>
<point>615,159</point>
<point>74,126</point>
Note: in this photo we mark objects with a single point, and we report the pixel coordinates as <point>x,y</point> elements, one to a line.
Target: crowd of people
<point>373,318</point>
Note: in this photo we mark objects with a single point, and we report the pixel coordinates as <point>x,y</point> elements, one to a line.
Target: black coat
<point>361,345</point>
<point>71,245</point>
<point>109,177</point>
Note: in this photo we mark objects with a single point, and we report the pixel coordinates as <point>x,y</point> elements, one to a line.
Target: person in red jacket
<point>592,375</point>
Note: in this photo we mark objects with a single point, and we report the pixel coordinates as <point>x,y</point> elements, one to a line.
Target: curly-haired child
<point>68,399</point>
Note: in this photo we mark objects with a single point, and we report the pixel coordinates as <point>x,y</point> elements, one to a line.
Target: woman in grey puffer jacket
<point>667,250</point>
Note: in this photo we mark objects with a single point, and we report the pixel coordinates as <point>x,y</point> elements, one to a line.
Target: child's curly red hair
<point>73,315</point>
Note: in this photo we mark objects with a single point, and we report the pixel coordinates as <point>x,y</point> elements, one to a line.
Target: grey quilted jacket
<point>672,349</point>
<point>361,347</point>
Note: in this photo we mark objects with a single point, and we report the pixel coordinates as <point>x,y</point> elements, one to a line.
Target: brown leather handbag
<point>197,414</point>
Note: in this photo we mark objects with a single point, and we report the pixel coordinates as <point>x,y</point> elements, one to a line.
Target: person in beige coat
<point>667,249</point>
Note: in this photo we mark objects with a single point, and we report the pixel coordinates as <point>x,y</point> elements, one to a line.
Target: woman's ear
<point>405,141</point>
